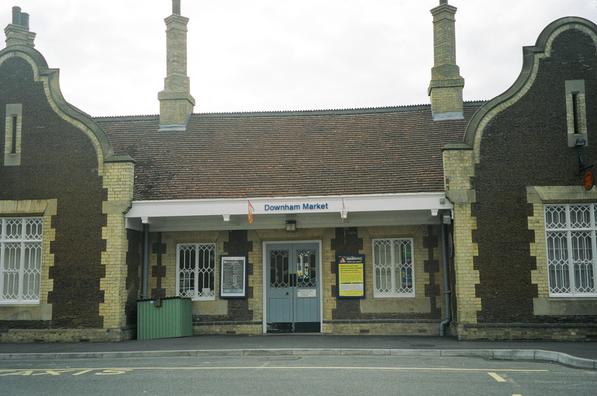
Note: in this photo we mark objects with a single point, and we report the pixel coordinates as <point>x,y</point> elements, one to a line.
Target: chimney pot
<point>25,20</point>
<point>16,15</point>
<point>176,7</point>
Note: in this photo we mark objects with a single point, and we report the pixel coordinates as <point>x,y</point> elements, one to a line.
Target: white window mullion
<point>178,270</point>
<point>374,269</point>
<point>593,248</point>
<point>2,237</point>
<point>570,252</point>
<point>393,267</point>
<point>2,275</point>
<point>212,287</point>
<point>20,285</point>
<point>196,271</point>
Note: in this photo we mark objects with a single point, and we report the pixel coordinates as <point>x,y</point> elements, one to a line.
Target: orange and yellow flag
<point>250,213</point>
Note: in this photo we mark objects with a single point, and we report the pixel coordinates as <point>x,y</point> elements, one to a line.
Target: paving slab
<point>576,354</point>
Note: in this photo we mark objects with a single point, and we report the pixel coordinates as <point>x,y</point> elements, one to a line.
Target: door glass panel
<point>279,273</point>
<point>305,268</point>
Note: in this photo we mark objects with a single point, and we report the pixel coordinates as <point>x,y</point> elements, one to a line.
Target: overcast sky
<point>247,55</point>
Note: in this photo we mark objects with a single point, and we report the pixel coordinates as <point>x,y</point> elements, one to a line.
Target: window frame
<point>394,294</point>
<point>568,229</point>
<point>22,240</point>
<point>196,296</point>
<point>13,134</point>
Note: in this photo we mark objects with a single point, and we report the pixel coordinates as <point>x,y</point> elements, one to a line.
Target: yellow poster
<point>351,276</point>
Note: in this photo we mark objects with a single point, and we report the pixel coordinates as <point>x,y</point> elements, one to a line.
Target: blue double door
<point>293,300</point>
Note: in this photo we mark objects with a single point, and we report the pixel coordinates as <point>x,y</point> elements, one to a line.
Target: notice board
<point>233,277</point>
<point>351,276</point>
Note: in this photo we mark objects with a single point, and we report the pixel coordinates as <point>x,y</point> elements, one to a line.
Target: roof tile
<point>310,153</point>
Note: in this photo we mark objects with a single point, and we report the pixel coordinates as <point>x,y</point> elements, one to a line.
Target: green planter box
<point>165,318</point>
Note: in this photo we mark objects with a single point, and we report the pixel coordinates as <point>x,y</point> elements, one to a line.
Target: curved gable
<point>69,113</point>
<point>532,57</point>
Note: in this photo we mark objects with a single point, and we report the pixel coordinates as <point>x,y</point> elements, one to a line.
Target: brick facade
<point>63,175</point>
<point>522,161</point>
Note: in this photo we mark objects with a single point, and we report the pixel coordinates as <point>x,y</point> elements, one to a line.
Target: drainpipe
<point>145,260</point>
<point>446,220</point>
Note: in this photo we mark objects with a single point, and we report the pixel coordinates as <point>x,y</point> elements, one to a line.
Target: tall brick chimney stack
<point>17,33</point>
<point>446,84</point>
<point>176,102</point>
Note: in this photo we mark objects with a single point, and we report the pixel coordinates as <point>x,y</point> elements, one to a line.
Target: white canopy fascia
<point>342,204</point>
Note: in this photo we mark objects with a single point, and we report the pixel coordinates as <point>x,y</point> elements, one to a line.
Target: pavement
<point>573,354</point>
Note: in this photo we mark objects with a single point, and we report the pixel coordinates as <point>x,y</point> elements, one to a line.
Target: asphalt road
<point>287,375</point>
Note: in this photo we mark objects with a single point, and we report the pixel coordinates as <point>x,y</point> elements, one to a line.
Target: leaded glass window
<point>393,267</point>
<point>570,237</point>
<point>20,259</point>
<point>195,277</point>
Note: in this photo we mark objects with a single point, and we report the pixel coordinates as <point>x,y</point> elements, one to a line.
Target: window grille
<point>196,270</point>
<point>20,259</point>
<point>571,246</point>
<point>393,267</point>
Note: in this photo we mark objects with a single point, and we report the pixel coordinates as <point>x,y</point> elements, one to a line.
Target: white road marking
<point>496,377</point>
<point>114,371</point>
<point>82,372</point>
<point>111,370</point>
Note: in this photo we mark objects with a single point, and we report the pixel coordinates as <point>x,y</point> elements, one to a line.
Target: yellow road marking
<point>15,372</point>
<point>50,372</point>
<point>496,377</point>
<point>79,371</point>
<point>516,394</point>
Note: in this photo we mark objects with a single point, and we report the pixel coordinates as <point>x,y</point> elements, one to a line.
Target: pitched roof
<point>273,154</point>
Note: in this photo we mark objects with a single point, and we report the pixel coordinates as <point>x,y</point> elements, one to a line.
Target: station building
<point>471,219</point>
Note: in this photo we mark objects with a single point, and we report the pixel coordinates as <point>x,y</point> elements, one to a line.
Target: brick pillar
<point>459,171</point>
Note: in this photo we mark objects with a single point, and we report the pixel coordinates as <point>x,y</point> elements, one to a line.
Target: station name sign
<point>296,207</point>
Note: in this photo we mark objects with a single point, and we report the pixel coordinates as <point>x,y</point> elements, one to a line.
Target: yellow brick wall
<point>458,170</point>
<point>418,329</point>
<point>228,329</point>
<point>538,250</point>
<point>118,179</point>
<point>446,100</point>
<point>466,276</point>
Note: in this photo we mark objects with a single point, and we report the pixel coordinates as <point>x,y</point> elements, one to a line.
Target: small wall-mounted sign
<point>233,273</point>
<point>306,293</point>
<point>351,276</point>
